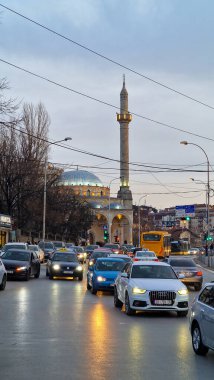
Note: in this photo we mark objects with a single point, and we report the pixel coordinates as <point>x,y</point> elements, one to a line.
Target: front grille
<point>164,295</point>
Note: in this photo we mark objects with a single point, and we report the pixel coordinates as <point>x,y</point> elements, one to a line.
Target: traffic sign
<point>186,210</point>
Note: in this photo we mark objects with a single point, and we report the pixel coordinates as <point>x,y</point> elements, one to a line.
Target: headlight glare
<point>100,279</point>
<point>183,292</point>
<point>79,268</point>
<point>138,291</point>
<point>56,266</point>
<point>20,269</point>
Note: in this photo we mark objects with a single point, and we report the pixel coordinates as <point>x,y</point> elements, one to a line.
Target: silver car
<point>202,320</point>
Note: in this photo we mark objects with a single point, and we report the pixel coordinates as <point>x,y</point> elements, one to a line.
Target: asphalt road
<point>59,330</point>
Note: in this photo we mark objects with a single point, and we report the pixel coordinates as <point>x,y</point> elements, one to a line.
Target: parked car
<point>150,286</point>
<point>48,248</point>
<point>202,320</point>
<point>145,256</point>
<point>64,264</point>
<point>3,276</point>
<point>193,276</point>
<point>21,264</point>
<point>104,273</point>
<point>40,253</point>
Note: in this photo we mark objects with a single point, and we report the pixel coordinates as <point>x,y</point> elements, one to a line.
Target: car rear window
<point>145,254</point>
<point>182,263</point>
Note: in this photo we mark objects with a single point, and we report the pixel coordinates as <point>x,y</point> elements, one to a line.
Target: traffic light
<point>106,235</point>
<point>187,218</point>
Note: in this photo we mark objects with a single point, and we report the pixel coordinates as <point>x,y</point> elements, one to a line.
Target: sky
<point>170,41</point>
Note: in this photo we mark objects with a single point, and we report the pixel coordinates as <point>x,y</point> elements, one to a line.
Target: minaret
<point>124,118</point>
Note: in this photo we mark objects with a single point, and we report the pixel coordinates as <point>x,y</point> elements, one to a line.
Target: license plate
<point>68,271</point>
<point>162,302</point>
<point>111,284</point>
<point>9,271</point>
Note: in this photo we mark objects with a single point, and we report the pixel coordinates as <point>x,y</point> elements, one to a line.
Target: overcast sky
<point>170,41</point>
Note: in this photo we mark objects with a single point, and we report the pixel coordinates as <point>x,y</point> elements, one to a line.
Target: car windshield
<point>78,249</point>
<point>16,255</point>
<point>153,271</point>
<point>14,246</point>
<point>46,245</point>
<point>182,263</point>
<point>110,265</point>
<point>66,257</point>
<point>89,247</point>
<point>57,244</point>
<point>95,255</point>
<point>33,248</point>
<point>145,254</point>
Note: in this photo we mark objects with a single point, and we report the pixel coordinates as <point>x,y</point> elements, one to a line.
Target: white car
<point>3,276</point>
<point>150,286</point>
<point>194,251</point>
<point>145,256</point>
<point>40,253</point>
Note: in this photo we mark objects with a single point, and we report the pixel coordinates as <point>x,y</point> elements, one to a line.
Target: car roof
<point>16,243</point>
<point>155,263</point>
<point>109,259</point>
<point>19,250</point>
<point>119,255</point>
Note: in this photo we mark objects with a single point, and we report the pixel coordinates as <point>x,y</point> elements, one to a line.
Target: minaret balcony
<point>124,117</point>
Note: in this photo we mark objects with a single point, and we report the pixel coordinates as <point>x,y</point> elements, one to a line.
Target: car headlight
<point>79,268</point>
<point>138,291</point>
<point>116,251</point>
<point>81,255</point>
<point>91,262</point>
<point>56,266</point>
<point>100,279</point>
<point>183,292</point>
<point>20,269</point>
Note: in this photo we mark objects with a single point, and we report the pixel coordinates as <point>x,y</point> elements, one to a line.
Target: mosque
<point>113,215</point>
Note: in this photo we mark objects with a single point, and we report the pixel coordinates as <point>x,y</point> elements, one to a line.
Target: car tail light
<point>156,260</point>
<point>136,259</point>
<point>199,273</point>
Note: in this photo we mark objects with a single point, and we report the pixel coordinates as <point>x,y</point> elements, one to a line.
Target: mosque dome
<point>79,178</point>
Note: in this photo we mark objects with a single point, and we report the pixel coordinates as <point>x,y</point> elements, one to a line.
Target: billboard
<point>186,210</point>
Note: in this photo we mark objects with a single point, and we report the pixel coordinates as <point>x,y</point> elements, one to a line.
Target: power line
<point>107,58</point>
<point>104,102</point>
<point>11,125</point>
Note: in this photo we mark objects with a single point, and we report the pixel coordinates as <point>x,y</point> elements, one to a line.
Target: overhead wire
<point>104,102</point>
<point>107,58</point>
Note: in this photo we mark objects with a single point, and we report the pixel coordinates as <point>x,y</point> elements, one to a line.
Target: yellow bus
<point>158,242</point>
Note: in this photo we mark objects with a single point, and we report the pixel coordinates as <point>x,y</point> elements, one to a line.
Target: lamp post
<point>207,193</point>
<point>109,206</point>
<point>45,185</point>
<point>143,196</point>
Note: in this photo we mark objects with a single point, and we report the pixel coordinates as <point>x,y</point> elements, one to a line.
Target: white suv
<point>150,286</point>
<point>3,276</point>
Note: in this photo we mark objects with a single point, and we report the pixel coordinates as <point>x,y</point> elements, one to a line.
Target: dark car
<point>193,276</point>
<point>81,253</point>
<point>64,264</point>
<point>96,254</point>
<point>21,264</point>
<point>90,248</point>
<point>48,248</point>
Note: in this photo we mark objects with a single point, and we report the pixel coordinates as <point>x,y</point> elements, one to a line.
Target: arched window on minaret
<point>101,193</point>
<point>88,193</point>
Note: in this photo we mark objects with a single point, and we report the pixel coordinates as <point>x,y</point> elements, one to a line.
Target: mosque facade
<point>113,215</point>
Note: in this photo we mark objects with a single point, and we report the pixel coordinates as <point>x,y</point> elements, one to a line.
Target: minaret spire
<point>124,118</point>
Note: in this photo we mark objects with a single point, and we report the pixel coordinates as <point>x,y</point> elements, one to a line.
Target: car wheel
<point>27,276</point>
<point>4,281</point>
<point>93,290</point>
<point>182,313</point>
<point>80,278</point>
<point>88,286</point>
<point>117,302</point>
<point>50,277</point>
<point>37,274</point>
<point>197,343</point>
<point>128,309</point>
<point>47,274</point>
<point>197,287</point>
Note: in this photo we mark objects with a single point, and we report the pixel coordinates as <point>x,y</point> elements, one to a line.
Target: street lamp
<point>109,206</point>
<point>143,196</point>
<point>45,184</point>
<point>207,192</point>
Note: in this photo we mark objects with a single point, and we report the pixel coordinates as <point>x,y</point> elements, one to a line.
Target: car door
<point>34,263</point>
<point>124,281</point>
<point>207,315</point>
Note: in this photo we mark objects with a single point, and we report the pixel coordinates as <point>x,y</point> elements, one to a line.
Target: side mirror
<point>180,276</point>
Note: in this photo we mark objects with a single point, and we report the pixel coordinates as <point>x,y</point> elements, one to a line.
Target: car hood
<point>109,274</point>
<point>156,284</point>
<point>65,263</point>
<point>15,263</point>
